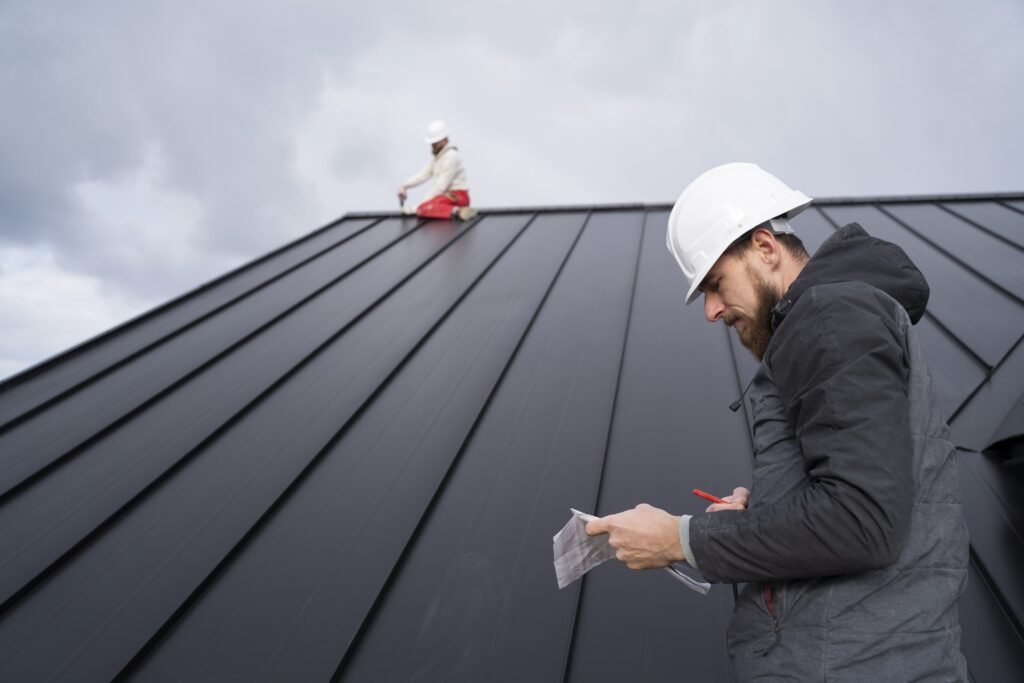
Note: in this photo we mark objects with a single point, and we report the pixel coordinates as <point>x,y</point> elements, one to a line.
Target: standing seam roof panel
<point>309,604</point>
<point>538,448</point>
<point>102,403</point>
<point>961,301</point>
<point>98,478</point>
<point>193,520</point>
<point>996,539</point>
<point>27,391</point>
<point>987,257</point>
<point>999,220</point>
<point>306,467</point>
<point>672,431</point>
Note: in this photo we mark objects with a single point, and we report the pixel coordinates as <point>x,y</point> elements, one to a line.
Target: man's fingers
<point>631,562</point>
<point>598,526</point>
<point>639,564</point>
<point>716,507</point>
<point>737,501</point>
<point>740,494</point>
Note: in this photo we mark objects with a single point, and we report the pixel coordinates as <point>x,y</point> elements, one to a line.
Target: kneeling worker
<point>449,196</point>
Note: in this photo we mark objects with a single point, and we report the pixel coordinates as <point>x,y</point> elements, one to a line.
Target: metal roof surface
<point>347,458</point>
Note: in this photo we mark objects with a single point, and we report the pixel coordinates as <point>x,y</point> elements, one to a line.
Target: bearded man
<point>851,540</point>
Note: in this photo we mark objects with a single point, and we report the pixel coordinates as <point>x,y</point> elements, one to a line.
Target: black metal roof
<point>347,458</point>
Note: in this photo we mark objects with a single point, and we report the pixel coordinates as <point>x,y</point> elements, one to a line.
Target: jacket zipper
<point>769,603</point>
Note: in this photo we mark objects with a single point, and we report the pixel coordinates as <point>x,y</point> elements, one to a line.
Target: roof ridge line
<point>666,206</point>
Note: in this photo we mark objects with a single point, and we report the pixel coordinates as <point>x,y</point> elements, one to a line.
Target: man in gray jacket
<point>852,542</point>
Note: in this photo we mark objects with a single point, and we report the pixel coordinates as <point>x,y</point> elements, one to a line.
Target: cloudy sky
<point>149,146</point>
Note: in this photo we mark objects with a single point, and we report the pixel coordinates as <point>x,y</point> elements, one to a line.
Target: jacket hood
<point>852,255</point>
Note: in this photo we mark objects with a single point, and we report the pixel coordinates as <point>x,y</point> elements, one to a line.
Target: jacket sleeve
<point>421,176</point>
<point>447,167</point>
<point>840,364</point>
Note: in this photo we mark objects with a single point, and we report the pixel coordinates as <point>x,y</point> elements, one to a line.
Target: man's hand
<point>644,537</point>
<point>737,501</point>
<point>401,193</point>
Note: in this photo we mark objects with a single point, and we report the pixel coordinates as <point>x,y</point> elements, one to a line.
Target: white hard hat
<point>436,131</point>
<point>718,207</point>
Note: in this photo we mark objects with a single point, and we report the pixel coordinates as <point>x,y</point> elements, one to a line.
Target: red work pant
<point>442,205</point>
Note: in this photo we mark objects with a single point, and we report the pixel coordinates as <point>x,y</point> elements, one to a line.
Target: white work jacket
<point>446,170</point>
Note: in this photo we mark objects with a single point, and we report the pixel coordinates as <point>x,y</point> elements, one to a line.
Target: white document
<point>576,554</point>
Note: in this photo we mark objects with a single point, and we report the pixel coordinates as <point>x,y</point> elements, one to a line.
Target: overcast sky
<point>147,146</point>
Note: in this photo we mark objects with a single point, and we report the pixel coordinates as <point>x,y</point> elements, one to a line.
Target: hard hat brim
<point>796,197</point>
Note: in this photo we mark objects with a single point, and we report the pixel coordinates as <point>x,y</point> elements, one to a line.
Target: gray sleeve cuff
<point>684,540</point>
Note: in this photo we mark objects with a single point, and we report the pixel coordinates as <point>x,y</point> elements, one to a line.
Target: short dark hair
<point>793,244</point>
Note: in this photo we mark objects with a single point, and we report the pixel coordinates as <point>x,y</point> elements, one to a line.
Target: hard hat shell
<point>718,207</point>
<point>436,131</point>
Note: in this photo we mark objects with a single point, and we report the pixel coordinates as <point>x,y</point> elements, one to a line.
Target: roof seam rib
<point>992,586</point>
<point>981,227</point>
<point>1000,201</point>
<point>988,375</point>
<point>567,667</point>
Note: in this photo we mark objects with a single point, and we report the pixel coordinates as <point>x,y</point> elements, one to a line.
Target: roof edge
<point>667,206</point>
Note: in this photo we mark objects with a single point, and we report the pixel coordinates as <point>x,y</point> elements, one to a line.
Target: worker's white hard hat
<point>718,207</point>
<point>436,131</point>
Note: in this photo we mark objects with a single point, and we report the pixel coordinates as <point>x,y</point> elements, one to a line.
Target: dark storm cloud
<point>146,147</point>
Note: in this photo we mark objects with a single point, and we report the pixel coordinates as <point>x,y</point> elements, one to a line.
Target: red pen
<point>708,496</point>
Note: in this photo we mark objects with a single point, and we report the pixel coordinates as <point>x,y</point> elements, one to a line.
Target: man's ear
<point>767,248</point>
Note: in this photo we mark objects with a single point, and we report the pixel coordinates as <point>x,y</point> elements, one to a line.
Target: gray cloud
<point>149,146</point>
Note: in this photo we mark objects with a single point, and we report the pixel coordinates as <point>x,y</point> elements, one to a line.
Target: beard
<point>757,330</point>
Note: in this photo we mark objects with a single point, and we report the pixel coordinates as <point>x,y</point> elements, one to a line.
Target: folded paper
<point>576,553</point>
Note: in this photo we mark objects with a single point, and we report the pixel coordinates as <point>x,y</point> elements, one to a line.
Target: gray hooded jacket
<point>854,546</point>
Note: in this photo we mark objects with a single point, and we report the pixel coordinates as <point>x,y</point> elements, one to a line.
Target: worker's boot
<point>466,212</point>
<point>409,210</point>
